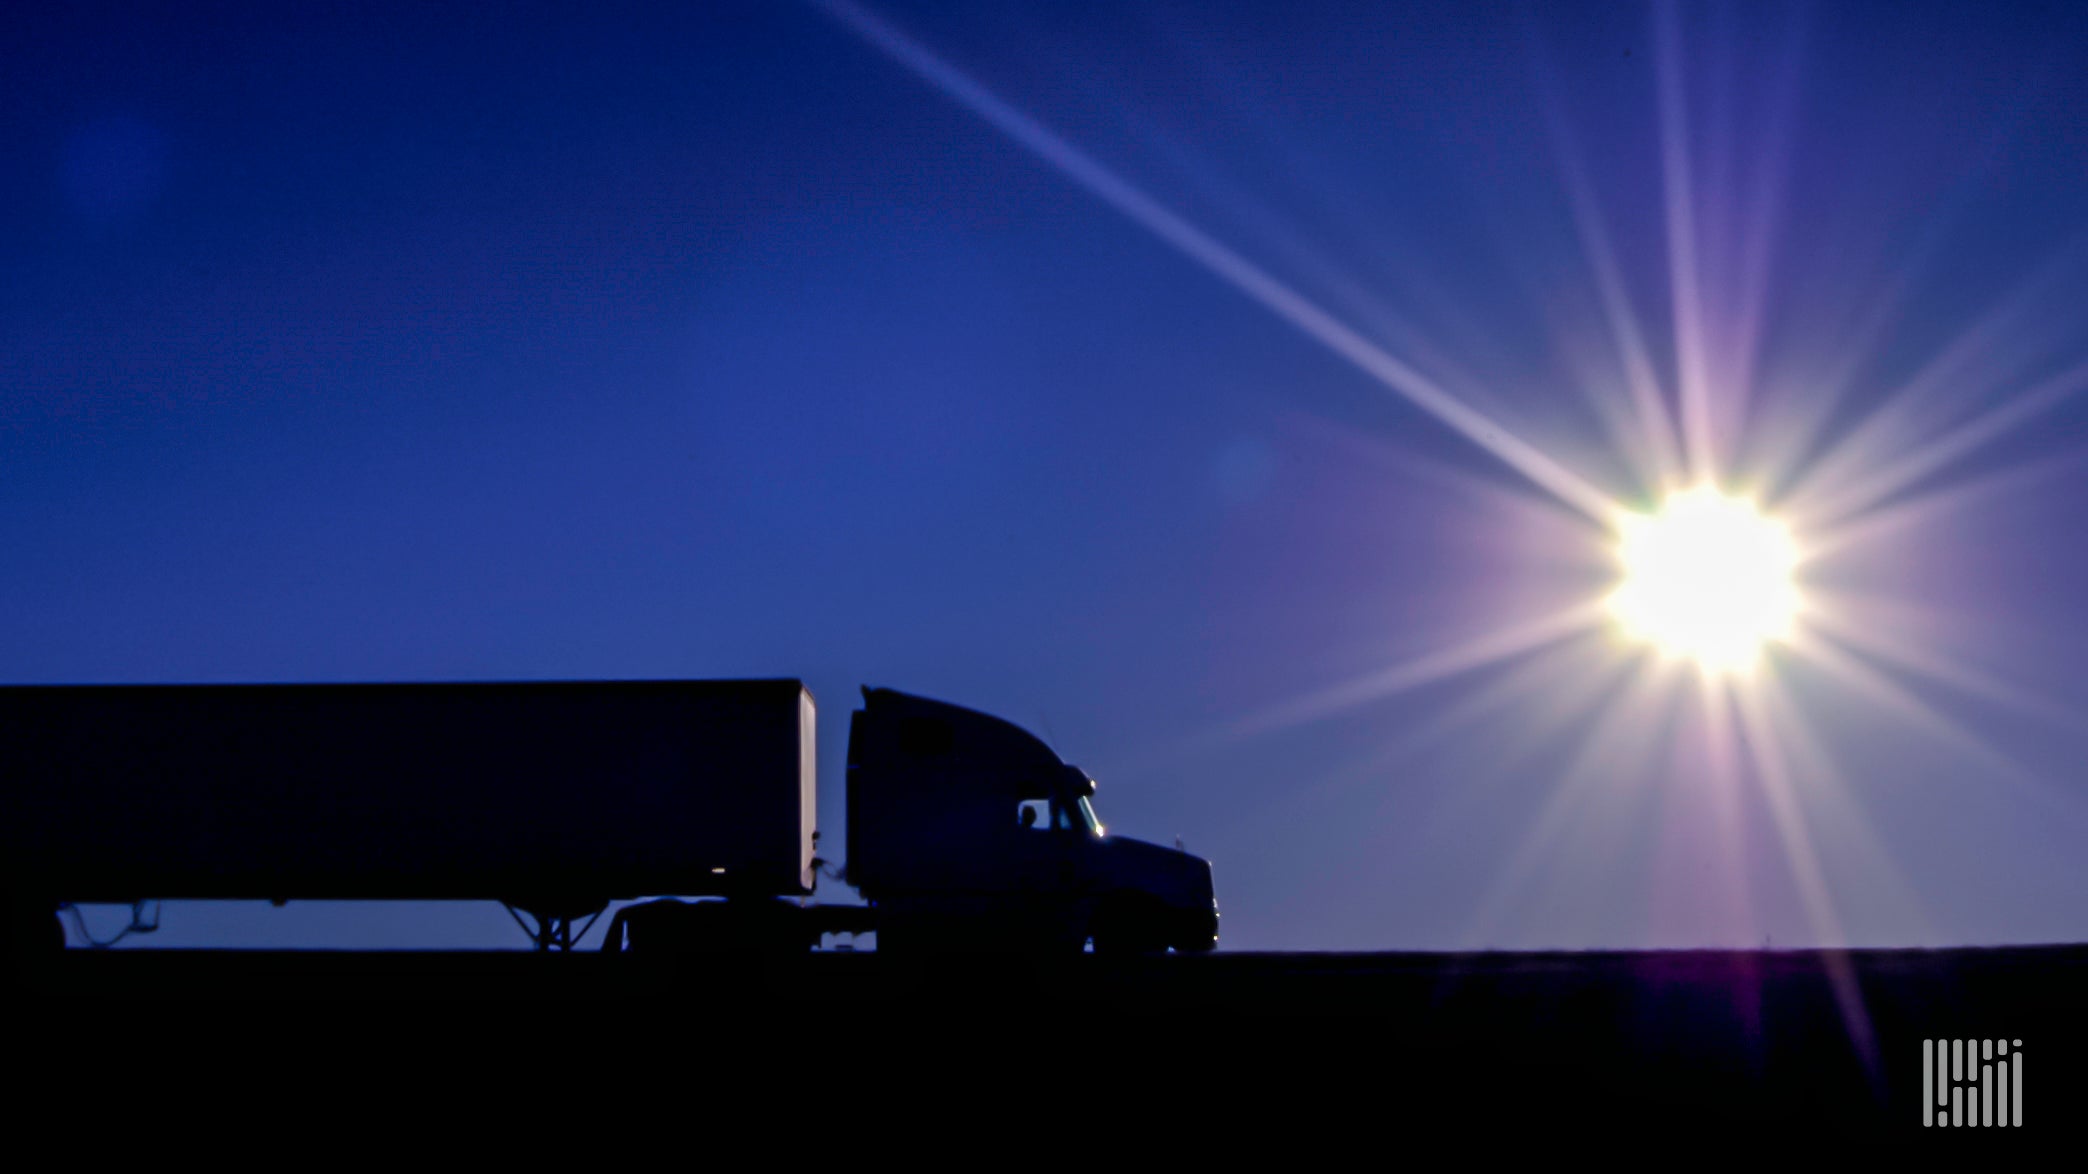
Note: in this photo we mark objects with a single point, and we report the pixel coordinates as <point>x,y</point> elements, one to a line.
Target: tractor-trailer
<point>558,798</point>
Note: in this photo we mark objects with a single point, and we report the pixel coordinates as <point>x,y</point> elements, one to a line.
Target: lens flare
<point>1708,577</point>
<point>1703,395</point>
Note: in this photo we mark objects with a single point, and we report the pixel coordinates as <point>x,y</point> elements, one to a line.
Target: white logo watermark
<point>1971,1082</point>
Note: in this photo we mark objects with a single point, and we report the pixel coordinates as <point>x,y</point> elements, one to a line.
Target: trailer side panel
<point>491,791</point>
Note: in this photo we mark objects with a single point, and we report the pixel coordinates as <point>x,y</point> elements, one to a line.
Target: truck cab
<point>965,831</point>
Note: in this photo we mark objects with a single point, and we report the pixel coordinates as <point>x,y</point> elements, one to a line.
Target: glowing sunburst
<point>1704,577</point>
<point>1708,577</point>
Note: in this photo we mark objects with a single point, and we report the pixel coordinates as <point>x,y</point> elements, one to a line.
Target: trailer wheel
<point>743,927</point>
<point>34,932</point>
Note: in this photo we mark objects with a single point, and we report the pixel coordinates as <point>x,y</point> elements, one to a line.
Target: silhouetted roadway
<point>1684,1036</point>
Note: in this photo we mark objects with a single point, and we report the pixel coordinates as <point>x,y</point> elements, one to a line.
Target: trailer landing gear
<point>553,921</point>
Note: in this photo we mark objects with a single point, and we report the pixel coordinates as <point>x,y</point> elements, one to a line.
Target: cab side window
<point>1034,814</point>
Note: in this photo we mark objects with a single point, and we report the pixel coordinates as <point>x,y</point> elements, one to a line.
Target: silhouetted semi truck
<point>559,798</point>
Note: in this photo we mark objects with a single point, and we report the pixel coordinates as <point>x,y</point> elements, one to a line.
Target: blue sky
<point>617,341</point>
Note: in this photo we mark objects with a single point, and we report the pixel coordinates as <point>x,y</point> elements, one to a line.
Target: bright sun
<point>1707,577</point>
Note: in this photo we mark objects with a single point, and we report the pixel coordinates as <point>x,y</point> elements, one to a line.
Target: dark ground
<point>1736,1043</point>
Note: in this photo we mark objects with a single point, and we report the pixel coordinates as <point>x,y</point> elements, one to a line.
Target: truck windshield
<point>1074,815</point>
<point>1086,815</point>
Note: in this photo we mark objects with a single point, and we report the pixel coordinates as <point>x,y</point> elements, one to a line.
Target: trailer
<point>558,799</point>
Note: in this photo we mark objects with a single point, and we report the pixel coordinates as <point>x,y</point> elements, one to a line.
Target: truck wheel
<point>1124,928</point>
<point>912,936</point>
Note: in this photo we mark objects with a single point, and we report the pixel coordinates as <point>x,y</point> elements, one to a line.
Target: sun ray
<point>1722,768</point>
<point>1684,269</point>
<point>1971,359</point>
<point>1338,289</point>
<point>1542,673</point>
<point>1830,787</point>
<point>1959,442</point>
<point>1762,218</point>
<point>1828,610</point>
<point>1919,715</point>
<point>1357,226</point>
<point>1513,499</point>
<point>1773,771</point>
<point>1848,348</point>
<point>1657,448</point>
<point>1488,648</point>
<point>1540,676</point>
<point>1828,370</point>
<point>1167,226</point>
<point>1678,400</point>
<point>1538,669</point>
<point>1622,728</point>
<point>1825,541</point>
<point>1566,680</point>
<point>1786,458</point>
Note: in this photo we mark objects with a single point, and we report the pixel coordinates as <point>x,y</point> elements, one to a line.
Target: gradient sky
<point>397,342</point>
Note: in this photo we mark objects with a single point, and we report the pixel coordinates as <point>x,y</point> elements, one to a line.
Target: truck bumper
<point>1196,931</point>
